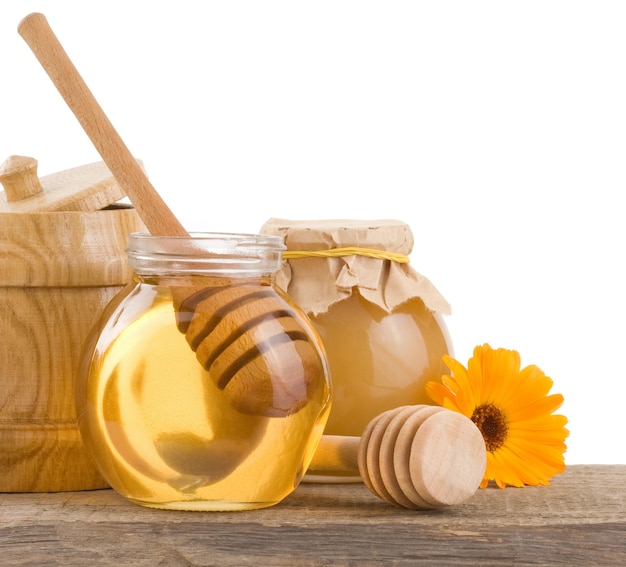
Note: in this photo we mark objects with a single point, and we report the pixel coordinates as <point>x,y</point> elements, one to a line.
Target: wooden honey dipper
<point>253,343</point>
<point>252,378</point>
<point>417,457</point>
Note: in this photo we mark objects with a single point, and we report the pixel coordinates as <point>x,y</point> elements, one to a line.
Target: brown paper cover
<point>317,283</point>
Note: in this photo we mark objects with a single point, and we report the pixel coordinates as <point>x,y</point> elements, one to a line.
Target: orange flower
<point>525,441</point>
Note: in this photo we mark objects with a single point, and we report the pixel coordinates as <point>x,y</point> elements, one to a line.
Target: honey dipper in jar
<point>253,342</point>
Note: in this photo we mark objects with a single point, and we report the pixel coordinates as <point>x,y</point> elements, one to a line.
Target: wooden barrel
<point>57,272</point>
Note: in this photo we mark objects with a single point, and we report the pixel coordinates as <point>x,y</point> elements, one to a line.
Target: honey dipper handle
<point>155,214</point>
<point>336,453</point>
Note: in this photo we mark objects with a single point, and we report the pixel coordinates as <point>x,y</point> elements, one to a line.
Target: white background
<point>496,130</point>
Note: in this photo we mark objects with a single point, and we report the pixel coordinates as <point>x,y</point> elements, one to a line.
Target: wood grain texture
<point>66,249</point>
<point>58,271</point>
<point>579,520</point>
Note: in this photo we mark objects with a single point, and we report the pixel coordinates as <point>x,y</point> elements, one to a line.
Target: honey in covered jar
<point>204,387</point>
<point>380,321</point>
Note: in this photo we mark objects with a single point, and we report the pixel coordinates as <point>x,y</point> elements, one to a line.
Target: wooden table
<point>580,520</point>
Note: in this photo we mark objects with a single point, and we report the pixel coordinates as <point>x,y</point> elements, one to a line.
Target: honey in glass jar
<point>381,322</point>
<point>204,387</point>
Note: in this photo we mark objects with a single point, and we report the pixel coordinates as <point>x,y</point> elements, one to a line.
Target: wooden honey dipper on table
<point>243,317</point>
<point>417,457</point>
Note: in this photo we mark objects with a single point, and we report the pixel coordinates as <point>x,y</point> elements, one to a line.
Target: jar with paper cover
<point>381,322</point>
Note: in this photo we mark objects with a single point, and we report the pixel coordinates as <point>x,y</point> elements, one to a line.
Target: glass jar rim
<point>205,253</point>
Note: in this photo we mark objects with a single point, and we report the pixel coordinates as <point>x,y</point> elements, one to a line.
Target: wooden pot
<point>58,270</point>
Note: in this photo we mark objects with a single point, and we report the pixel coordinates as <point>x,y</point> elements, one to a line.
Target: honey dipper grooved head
<point>254,346</point>
<point>422,457</point>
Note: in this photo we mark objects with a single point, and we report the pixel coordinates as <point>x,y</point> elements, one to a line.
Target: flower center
<point>492,424</point>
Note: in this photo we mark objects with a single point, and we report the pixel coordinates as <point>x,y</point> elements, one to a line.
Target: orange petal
<point>500,368</point>
<point>537,408</point>
<point>541,462</point>
<point>437,392</point>
<point>465,398</point>
<point>501,470</point>
<point>553,422</point>
<point>525,388</point>
<point>450,383</point>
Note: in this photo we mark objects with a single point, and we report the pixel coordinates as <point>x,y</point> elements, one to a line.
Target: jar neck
<point>202,281</point>
<point>205,255</point>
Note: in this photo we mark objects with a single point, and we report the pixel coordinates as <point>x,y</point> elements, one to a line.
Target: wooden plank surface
<point>579,520</point>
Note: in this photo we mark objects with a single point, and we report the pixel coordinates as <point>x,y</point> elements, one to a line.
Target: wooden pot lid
<point>85,188</point>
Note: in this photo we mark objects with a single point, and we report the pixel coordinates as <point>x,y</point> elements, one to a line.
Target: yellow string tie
<point>348,251</point>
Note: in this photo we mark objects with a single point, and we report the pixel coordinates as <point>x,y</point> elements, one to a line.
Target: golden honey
<point>171,410</point>
<point>379,360</point>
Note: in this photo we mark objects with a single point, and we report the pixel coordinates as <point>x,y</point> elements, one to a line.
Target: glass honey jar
<point>381,322</point>
<point>204,387</point>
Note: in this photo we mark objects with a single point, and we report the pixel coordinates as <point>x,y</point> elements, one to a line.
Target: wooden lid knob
<point>18,175</point>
